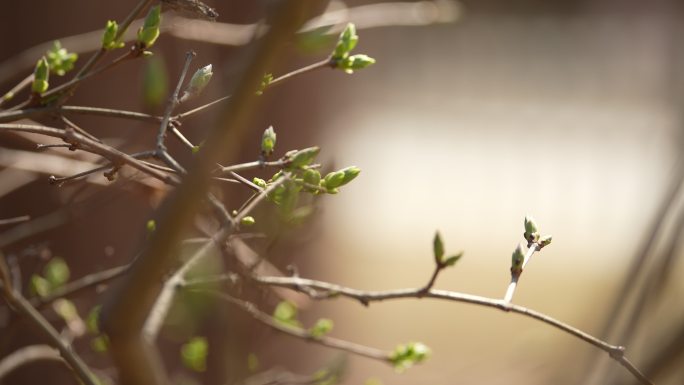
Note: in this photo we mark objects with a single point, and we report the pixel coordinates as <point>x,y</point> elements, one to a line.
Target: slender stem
<point>280,79</point>
<point>112,154</point>
<point>515,276</point>
<point>161,307</point>
<point>253,165</point>
<point>324,290</point>
<point>311,67</point>
<point>71,84</point>
<point>173,102</point>
<point>11,221</point>
<point>26,355</point>
<point>20,86</point>
<point>347,346</point>
<point>79,285</point>
<point>120,32</point>
<point>20,303</point>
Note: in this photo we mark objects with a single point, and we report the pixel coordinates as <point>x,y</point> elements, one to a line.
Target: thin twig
<point>84,143</point>
<point>11,221</point>
<point>515,276</point>
<point>79,285</point>
<point>163,303</point>
<point>26,355</point>
<point>300,71</point>
<point>9,95</point>
<point>324,290</point>
<point>253,165</point>
<point>20,303</point>
<point>173,102</point>
<point>335,343</point>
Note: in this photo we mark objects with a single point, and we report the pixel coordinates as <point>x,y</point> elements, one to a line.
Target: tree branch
<point>23,306</point>
<point>335,343</point>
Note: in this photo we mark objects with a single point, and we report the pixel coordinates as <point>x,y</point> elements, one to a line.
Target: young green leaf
<point>438,248</point>
<point>100,343</point>
<point>406,355</point>
<point>194,354</point>
<point>303,157</point>
<point>40,286</point>
<point>346,42</point>
<point>93,320</point>
<point>286,313</point>
<point>155,82</point>
<point>545,240</point>
<point>56,272</point>
<point>322,327</point>
<point>355,62</point>
<point>450,261</point>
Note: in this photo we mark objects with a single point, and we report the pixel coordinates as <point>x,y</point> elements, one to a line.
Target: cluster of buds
<point>345,44</point>
<point>534,240</point>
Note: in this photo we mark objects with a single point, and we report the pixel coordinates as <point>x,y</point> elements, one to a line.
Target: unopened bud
<point>517,259</point>
<point>199,80</point>
<point>268,141</point>
<point>40,76</point>
<point>149,32</point>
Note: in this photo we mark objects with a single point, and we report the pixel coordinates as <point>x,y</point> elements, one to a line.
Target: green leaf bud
<point>247,221</point>
<point>350,173</point>
<point>438,248</point>
<point>59,60</point>
<point>100,344</point>
<point>265,82</point>
<point>149,32</point>
<point>93,320</point>
<point>286,313</point>
<point>194,354</point>
<point>531,230</point>
<point>40,286</point>
<point>199,80</point>
<point>545,241</point>
<point>312,177</point>
<point>109,41</point>
<point>259,182</point>
<point>517,259</point>
<point>334,179</point>
<point>322,327</point>
<point>151,226</point>
<point>355,62</point>
<point>268,141</point>
<point>56,272</point>
<point>346,42</point>
<point>41,76</point>
<point>303,157</point>
<point>406,355</point>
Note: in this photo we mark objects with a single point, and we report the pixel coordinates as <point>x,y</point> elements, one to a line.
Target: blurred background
<point>478,114</point>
